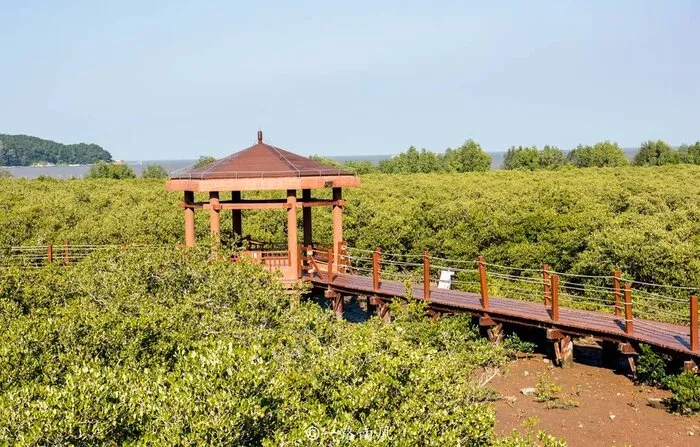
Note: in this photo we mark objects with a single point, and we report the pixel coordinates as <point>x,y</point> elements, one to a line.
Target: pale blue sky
<point>176,79</point>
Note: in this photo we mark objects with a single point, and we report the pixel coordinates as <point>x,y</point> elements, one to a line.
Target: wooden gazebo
<point>257,168</point>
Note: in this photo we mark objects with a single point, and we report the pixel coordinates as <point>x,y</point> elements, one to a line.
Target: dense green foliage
<point>154,171</point>
<point>469,157</point>
<point>531,159</point>
<point>686,392</point>
<point>24,150</point>
<point>117,171</point>
<point>603,154</point>
<point>651,367</point>
<point>645,221</point>
<point>656,153</point>
<point>204,160</point>
<point>169,347</point>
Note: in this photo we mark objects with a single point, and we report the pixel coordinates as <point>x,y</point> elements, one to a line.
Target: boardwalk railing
<point>614,294</point>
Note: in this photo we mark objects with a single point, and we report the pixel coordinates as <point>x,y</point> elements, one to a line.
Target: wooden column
<point>629,327</point>
<point>426,276</point>
<point>337,221</point>
<point>555,297</point>
<point>694,323</point>
<point>292,226</point>
<point>66,254</point>
<point>189,219</point>
<point>215,218</point>
<point>546,278</point>
<point>306,218</point>
<point>236,216</point>
<point>616,292</point>
<point>50,253</point>
<point>483,283</point>
<point>376,269</point>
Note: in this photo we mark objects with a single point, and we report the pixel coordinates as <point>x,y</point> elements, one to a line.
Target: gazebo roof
<point>261,167</point>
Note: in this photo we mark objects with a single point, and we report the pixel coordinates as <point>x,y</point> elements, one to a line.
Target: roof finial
<point>260,136</point>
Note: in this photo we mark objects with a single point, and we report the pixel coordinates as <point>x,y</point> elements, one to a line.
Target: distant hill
<point>25,150</point>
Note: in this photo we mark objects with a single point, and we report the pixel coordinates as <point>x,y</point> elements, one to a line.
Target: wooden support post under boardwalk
<point>330,265</point>
<point>629,327</point>
<point>66,254</point>
<point>426,276</point>
<point>547,285</point>
<point>694,323</point>
<point>49,253</point>
<point>483,283</point>
<point>376,273</point>
<point>555,297</point>
<point>618,295</point>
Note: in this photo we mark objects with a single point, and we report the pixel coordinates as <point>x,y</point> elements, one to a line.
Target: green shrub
<point>204,160</point>
<point>515,344</point>
<point>651,367</point>
<point>117,171</point>
<point>154,171</point>
<point>686,392</point>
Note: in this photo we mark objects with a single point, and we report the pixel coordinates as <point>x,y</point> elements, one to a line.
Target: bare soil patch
<point>612,410</point>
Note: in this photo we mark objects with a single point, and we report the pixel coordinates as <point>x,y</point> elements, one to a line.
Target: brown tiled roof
<point>260,161</point>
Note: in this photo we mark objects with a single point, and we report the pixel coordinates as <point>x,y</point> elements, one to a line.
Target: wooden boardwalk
<point>606,326</point>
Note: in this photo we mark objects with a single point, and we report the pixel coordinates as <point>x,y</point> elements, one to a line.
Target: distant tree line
<point>24,150</point>
<point>471,158</point>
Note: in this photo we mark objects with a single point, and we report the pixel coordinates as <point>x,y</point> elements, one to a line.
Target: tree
<point>656,153</point>
<point>117,171</point>
<point>361,167</point>
<point>551,157</point>
<point>692,154</point>
<point>154,171</point>
<point>467,158</point>
<point>522,158</point>
<point>204,160</point>
<point>602,154</point>
<point>25,150</point>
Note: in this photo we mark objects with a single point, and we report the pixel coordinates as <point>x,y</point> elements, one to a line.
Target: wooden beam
<point>261,204</point>
<point>263,184</point>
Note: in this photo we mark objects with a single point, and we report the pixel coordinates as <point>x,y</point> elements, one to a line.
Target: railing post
<point>376,272</point>
<point>300,253</point>
<point>426,276</point>
<point>342,261</point>
<point>694,323</point>
<point>546,278</point>
<point>616,291</point>
<point>629,327</point>
<point>555,297</point>
<point>309,253</point>
<point>49,253</point>
<point>483,283</point>
<point>330,265</point>
<point>66,254</point>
